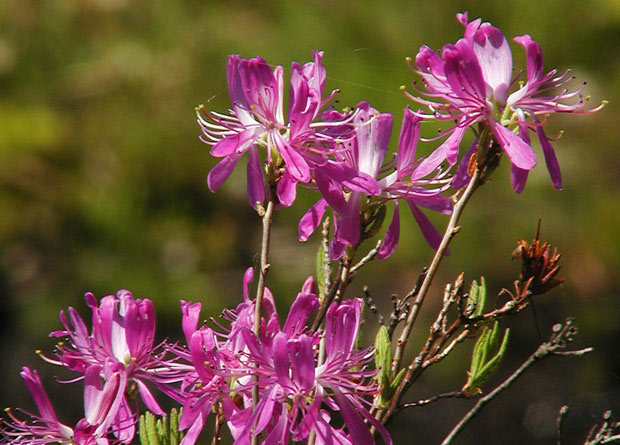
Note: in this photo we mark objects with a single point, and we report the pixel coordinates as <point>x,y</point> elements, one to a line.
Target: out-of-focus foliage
<point>102,178</point>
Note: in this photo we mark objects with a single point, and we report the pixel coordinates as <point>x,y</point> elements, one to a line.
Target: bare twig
<point>369,257</point>
<point>608,431</point>
<point>260,290</point>
<point>560,423</point>
<point>562,335</point>
<point>451,230</point>
<point>372,306</point>
<point>423,402</point>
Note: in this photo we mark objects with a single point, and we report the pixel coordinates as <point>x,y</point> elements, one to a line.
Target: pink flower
<point>419,182</point>
<point>298,392</point>
<point>123,331</point>
<point>101,402</point>
<point>257,120</point>
<point>470,82</point>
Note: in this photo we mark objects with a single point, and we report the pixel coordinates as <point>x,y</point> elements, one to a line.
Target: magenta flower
<point>101,402</point>
<point>298,392</point>
<point>220,361</point>
<point>419,183</point>
<point>257,120</point>
<point>123,330</point>
<point>470,82</point>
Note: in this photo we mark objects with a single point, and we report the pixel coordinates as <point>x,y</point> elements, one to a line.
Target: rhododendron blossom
<point>474,78</point>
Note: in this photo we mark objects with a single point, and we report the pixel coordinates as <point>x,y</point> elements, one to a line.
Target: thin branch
<point>560,423</point>
<point>401,343</point>
<point>451,230</point>
<point>562,334</point>
<point>369,257</point>
<point>423,402</point>
<point>260,290</point>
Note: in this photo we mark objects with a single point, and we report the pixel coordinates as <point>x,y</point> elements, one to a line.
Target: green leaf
<point>151,429</point>
<point>486,357</point>
<point>321,277</point>
<point>478,296</point>
<point>142,431</point>
<point>397,380</point>
<point>383,363</point>
<point>160,431</point>
<point>175,436</point>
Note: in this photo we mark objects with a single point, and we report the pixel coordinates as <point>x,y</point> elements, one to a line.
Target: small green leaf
<point>160,431</point>
<point>151,429</point>
<point>142,431</point>
<point>175,436</point>
<point>486,357</point>
<point>383,356</point>
<point>397,380</point>
<point>383,363</point>
<point>477,296</point>
<point>320,271</point>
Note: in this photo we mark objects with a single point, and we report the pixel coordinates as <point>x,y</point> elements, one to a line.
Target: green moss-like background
<point>103,182</point>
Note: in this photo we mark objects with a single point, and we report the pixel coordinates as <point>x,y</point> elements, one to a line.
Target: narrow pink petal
<point>550,159</point>
<point>407,143</point>
<point>222,171</point>
<point>350,178</point>
<point>148,398</point>
<point>358,430</point>
<point>295,163</point>
<point>534,57</point>
<point>124,425</point>
<point>311,219</point>
<point>336,249</point>
<point>448,150</point>
<point>299,312</point>
<point>35,387</point>
<point>235,88</point>
<point>430,233</point>
<point>256,181</point>
<point>518,176</point>
<point>302,362</point>
<point>191,315</point>
<point>349,225</point>
<point>463,71</point>
<point>520,153</point>
<point>192,434</point>
<point>248,276</point>
<point>227,146</point>
<point>287,189</point>
<point>461,177</point>
<point>391,236</point>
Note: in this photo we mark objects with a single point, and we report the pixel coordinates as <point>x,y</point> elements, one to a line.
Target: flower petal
<point>391,236</point>
<point>311,219</point>
<point>520,153</point>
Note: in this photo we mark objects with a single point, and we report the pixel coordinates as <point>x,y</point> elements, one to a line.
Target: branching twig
<point>562,335</point>
<point>423,402</point>
<point>608,432</point>
<point>451,230</point>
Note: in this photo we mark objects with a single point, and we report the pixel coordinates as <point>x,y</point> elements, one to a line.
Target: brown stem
<point>260,290</point>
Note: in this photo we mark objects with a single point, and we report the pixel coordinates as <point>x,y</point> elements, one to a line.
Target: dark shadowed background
<point>103,184</point>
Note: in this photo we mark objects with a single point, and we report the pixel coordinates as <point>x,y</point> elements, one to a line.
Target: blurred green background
<point>103,183</point>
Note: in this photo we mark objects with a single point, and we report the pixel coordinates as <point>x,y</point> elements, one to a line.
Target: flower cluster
<point>307,379</point>
<point>115,360</point>
<point>298,380</point>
